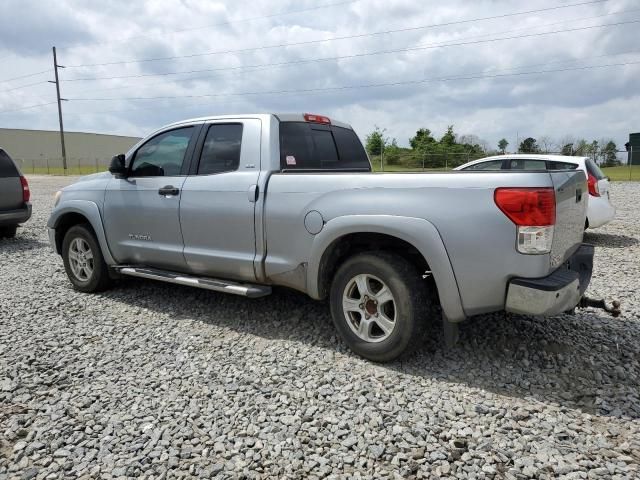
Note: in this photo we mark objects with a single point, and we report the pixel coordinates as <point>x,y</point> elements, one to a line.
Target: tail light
<point>26,193</point>
<point>310,117</point>
<point>533,211</point>
<point>592,183</point>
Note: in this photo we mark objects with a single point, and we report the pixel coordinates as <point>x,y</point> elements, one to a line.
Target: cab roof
<point>282,117</point>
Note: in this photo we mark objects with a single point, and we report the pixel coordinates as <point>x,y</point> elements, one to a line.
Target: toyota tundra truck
<point>244,203</point>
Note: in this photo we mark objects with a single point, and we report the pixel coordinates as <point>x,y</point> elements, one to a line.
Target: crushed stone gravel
<point>152,380</point>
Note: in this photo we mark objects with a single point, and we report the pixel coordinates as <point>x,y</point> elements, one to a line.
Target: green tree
<point>392,153</point>
<point>375,141</point>
<point>529,145</point>
<point>610,159</point>
<point>449,138</point>
<point>567,150</point>
<point>581,148</point>
<point>422,139</point>
<point>502,145</point>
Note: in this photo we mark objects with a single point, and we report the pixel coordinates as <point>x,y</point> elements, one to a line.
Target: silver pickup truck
<point>242,203</point>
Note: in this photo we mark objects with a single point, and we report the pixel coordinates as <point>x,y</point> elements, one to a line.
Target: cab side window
<point>221,149</point>
<point>163,155</point>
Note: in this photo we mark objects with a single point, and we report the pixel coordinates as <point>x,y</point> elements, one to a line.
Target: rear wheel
<point>83,260</point>
<point>380,305</point>
<point>8,232</point>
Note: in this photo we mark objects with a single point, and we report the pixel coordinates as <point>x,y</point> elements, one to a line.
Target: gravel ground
<point>160,381</point>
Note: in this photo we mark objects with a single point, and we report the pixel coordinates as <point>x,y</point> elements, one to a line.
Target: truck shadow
<point>20,244</point>
<point>610,240</point>
<point>584,361</point>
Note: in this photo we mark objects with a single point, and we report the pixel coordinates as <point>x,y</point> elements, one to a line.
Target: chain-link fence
<point>618,166</point>
<point>55,166</point>
<point>391,161</point>
<point>626,165</point>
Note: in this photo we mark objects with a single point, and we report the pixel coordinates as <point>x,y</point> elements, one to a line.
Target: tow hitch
<point>613,309</point>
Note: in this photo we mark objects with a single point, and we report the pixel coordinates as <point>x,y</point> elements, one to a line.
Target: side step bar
<point>244,289</point>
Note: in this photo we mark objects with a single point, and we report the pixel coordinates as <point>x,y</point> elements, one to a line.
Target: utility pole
<point>60,100</point>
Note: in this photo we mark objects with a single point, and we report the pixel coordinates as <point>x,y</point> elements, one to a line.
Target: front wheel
<point>380,305</point>
<point>83,260</point>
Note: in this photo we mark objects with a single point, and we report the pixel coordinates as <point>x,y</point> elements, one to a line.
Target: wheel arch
<point>413,238</point>
<point>78,212</point>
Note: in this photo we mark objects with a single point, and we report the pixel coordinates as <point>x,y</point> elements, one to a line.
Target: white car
<point>599,210</point>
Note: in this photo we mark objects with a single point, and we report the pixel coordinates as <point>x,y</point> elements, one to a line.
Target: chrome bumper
<point>556,293</point>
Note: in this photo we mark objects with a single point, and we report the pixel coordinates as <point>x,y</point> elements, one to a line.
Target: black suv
<point>14,196</point>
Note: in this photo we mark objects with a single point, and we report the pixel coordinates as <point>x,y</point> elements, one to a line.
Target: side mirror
<point>117,167</point>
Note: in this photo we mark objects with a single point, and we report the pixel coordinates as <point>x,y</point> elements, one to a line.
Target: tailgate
<point>571,211</point>
<point>10,193</point>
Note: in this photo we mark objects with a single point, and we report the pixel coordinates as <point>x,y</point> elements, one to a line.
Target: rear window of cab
<point>7,168</point>
<point>311,146</point>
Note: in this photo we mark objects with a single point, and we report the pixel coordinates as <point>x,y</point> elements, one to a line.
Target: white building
<point>38,151</point>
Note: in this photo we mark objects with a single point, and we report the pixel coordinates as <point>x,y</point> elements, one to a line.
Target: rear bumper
<point>14,217</point>
<point>600,211</point>
<point>556,293</point>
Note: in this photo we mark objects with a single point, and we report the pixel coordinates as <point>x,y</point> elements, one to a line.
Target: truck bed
<point>459,205</point>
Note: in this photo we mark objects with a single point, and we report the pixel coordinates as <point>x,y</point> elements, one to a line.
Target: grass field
<point>624,173</point>
<point>616,174</point>
<point>60,171</point>
<point>400,168</point>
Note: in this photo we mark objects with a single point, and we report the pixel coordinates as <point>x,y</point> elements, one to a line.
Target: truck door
<point>141,211</point>
<point>217,207</point>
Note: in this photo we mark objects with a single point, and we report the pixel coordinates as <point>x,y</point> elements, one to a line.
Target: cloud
<point>585,103</point>
<point>31,27</point>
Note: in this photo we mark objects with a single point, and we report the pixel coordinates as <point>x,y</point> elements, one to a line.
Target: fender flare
<point>91,212</point>
<point>419,232</point>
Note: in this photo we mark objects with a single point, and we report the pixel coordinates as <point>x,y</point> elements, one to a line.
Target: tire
<point>378,339</point>
<point>8,232</point>
<point>87,272</point>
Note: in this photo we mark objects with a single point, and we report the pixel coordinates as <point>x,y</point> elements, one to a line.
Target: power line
<point>510,68</point>
<point>358,55</point>
<point>261,67</point>
<point>346,37</point>
<point>27,107</point>
<point>348,87</point>
<point>24,76</point>
<point>477,75</point>
<point>23,86</point>
<point>230,22</point>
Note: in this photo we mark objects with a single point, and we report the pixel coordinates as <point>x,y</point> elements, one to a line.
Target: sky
<point>492,68</point>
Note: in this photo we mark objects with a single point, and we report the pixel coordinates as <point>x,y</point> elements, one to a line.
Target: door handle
<point>169,190</point>
<point>252,193</point>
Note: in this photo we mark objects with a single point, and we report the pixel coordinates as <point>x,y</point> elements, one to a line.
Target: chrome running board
<point>244,289</point>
